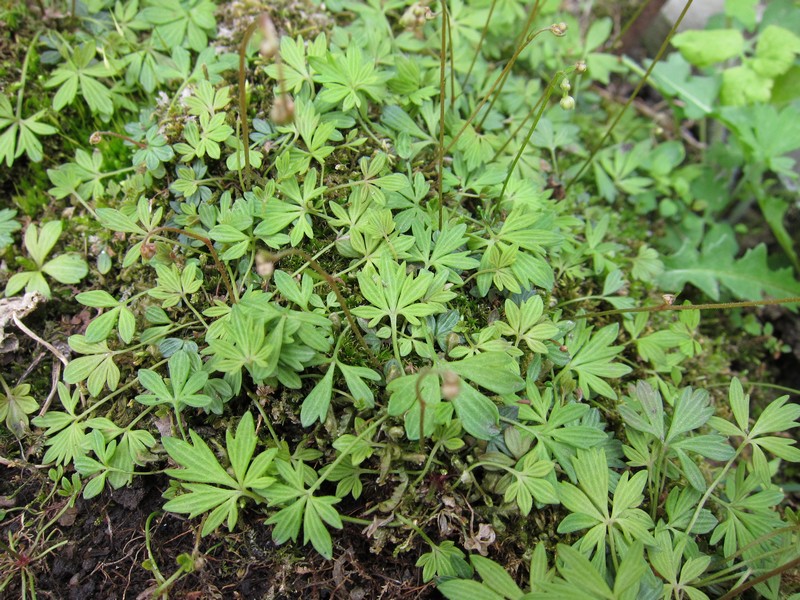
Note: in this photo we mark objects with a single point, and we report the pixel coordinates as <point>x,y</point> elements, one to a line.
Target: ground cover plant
<point>397,299</point>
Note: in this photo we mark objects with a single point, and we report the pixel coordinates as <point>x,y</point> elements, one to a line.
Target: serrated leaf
<point>747,278</point>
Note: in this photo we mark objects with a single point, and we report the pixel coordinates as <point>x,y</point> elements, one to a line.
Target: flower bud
<point>451,385</point>
<point>282,112</point>
<point>558,29</point>
<point>580,67</point>
<point>565,86</point>
<point>269,44</point>
<point>453,340</point>
<point>567,103</point>
<point>147,250</point>
<point>264,266</point>
<point>95,138</point>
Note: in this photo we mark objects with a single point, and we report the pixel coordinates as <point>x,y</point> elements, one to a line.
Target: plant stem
<point>345,453</point>
<point>243,94</point>
<point>24,77</point>
<point>220,267</point>
<point>480,44</point>
<point>520,37</point>
<point>542,105</point>
<point>737,591</point>
<point>713,306</point>
<point>711,489</point>
<point>488,94</point>
<point>194,310</point>
<point>632,97</point>
<point>100,134</point>
<point>442,94</point>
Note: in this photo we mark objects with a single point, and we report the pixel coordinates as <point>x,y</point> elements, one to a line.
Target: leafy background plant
<point>394,315</point>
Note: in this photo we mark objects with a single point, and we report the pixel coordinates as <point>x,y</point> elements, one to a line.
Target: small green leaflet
<point>15,405</point>
<point>183,389</point>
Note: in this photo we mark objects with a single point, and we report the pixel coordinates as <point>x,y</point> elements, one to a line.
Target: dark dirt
<point>106,548</point>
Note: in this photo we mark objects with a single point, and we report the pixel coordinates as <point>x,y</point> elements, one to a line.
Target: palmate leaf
<point>560,429</point>
<point>180,23</point>
<point>592,358</point>
<point>715,266</point>
<point>209,486</point>
<point>21,135</point>
<point>443,560</point>
<point>80,72</point>
<point>393,293</point>
<point>303,510</point>
<point>348,78</point>
<point>588,503</point>
<point>101,326</point>
<point>246,344</point>
<point>183,389</point>
<point>66,268</point>
<point>65,431</point>
<point>446,252</point>
<point>97,367</point>
<point>15,405</point>
<point>526,482</point>
<point>295,70</point>
<point>527,324</point>
<point>778,416</point>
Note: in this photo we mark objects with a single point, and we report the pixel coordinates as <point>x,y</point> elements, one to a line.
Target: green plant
<point>187,563</point>
<point>447,333</point>
<point>21,135</point>
<point>65,268</point>
<point>15,405</point>
<point>208,485</point>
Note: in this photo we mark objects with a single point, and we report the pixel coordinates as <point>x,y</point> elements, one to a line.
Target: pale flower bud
<point>269,43</point>
<point>451,385</point>
<point>264,266</point>
<point>282,112</point>
<point>567,103</point>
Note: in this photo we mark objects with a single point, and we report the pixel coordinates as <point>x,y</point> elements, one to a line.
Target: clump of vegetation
<point>405,273</point>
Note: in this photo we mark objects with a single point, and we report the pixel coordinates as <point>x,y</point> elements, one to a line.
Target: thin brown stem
<point>520,37</point>
<point>97,136</point>
<point>542,104</point>
<point>714,306</point>
<point>270,257</point>
<point>243,94</point>
<point>633,95</point>
<point>452,58</point>
<point>209,244</point>
<point>488,94</point>
<point>480,44</point>
<point>737,591</point>
<point>442,94</point>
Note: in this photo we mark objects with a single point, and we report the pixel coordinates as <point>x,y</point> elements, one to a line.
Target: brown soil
<point>106,548</point>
